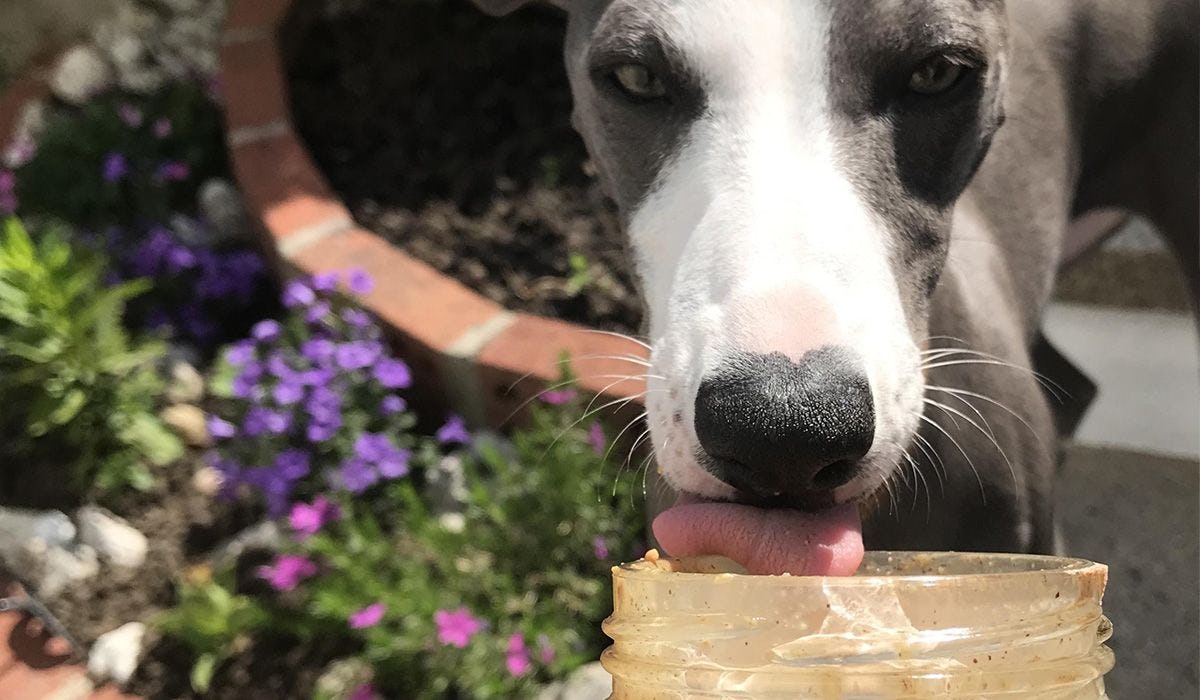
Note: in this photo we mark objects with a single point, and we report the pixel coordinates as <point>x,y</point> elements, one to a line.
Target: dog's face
<point>786,170</point>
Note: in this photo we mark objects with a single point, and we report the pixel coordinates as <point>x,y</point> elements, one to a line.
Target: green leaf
<point>152,439</point>
<point>202,672</point>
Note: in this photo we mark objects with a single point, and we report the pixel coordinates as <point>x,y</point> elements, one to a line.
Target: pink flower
<point>173,171</point>
<point>516,656</point>
<point>287,572</point>
<point>596,438</point>
<point>600,548</point>
<point>368,616</point>
<point>162,127</point>
<point>456,627</point>
<point>308,519</point>
<point>130,116</point>
<point>558,397</point>
<point>545,650</point>
<point>366,691</point>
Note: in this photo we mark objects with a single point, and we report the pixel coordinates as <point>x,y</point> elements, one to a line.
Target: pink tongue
<point>828,543</point>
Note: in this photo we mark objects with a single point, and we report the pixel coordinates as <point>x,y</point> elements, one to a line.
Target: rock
<point>186,385</point>
<point>135,67</point>
<point>265,535</point>
<point>590,682</point>
<point>342,677</point>
<point>80,74</point>
<point>188,422</point>
<point>206,480</point>
<point>221,208</point>
<point>181,352</point>
<point>115,655</point>
<point>18,526</point>
<point>446,486</point>
<point>50,569</point>
<point>113,538</point>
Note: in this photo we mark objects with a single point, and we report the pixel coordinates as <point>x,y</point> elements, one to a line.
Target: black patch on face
<point>630,142</point>
<point>909,155</point>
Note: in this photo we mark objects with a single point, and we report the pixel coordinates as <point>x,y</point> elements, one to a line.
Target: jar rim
<point>991,566</point>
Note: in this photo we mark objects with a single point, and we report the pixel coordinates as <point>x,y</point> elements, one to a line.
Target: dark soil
<point>451,136</point>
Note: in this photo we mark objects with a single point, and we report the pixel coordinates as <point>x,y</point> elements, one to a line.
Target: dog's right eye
<point>638,83</point>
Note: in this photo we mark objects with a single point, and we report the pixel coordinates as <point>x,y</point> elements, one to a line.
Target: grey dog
<point>846,218</point>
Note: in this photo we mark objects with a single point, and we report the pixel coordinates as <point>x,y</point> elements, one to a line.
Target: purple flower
<point>357,354</point>
<point>240,353</point>
<point>173,171</point>
<point>545,650</point>
<point>266,331</point>
<point>220,429</point>
<point>600,547</point>
<point>307,519</point>
<point>296,293</point>
<point>115,167</point>
<point>456,627</point>
<point>180,258</point>
<point>292,464</point>
<point>516,656</point>
<point>454,432</point>
<point>130,116</point>
<point>393,374</point>
<point>357,318</point>
<point>278,366</point>
<point>558,397</point>
<point>322,431</point>
<point>245,384</point>
<point>395,465</point>
<point>232,474</point>
<point>260,420</point>
<point>368,616</point>
<point>319,376</point>
<point>8,192</point>
<point>287,571</point>
<point>318,349</point>
<point>596,438</point>
<point>360,282</point>
<point>357,475</point>
<point>366,691</point>
<point>162,127</point>
<point>325,281</point>
<point>318,312</point>
<point>392,404</point>
<point>373,446</point>
<point>287,393</point>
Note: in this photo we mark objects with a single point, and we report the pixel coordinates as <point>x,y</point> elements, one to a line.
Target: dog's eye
<point>938,74</point>
<point>638,82</point>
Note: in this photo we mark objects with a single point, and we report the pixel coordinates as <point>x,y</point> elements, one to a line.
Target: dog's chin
<point>768,536</point>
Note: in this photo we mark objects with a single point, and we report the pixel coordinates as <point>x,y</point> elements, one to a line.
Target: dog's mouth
<point>767,541</point>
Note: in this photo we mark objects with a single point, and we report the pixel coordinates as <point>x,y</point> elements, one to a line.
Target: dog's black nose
<point>787,431</point>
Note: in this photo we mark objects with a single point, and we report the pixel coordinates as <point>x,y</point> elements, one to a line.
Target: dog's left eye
<point>938,74</point>
<point>638,82</point>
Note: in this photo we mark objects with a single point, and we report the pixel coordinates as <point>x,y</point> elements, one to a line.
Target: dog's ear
<point>497,8</point>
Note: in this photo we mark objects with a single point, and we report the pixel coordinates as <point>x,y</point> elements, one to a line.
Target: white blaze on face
<point>753,238</point>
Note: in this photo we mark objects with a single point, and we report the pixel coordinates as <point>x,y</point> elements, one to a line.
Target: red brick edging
<point>469,354</point>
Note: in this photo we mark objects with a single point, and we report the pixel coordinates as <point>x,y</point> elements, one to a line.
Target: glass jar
<point>908,625</point>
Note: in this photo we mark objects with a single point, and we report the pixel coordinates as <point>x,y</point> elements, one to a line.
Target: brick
<point>519,362</point>
<point>410,296</point>
<point>253,84</point>
<point>255,14</point>
<point>283,188</point>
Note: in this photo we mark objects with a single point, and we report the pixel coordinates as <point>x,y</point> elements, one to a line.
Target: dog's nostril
<point>837,474</point>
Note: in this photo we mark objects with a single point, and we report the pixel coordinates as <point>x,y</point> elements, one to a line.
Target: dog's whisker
<point>1050,384</point>
<point>619,403</point>
<point>970,463</point>
<point>934,460</point>
<point>631,359</point>
<point>983,419</point>
<point>991,438</point>
<point>1053,387</point>
<point>619,378</point>
<point>997,404</point>
<point>615,334</point>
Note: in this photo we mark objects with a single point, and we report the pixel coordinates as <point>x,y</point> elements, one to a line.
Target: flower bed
<point>257,505</point>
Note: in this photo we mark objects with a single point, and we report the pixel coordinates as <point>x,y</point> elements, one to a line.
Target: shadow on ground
<point>1141,516</point>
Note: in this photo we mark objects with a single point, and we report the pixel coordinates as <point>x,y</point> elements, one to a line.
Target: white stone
<point>265,535</point>
<point>186,384</point>
<point>590,682</point>
<point>188,422</point>
<point>206,480</point>
<point>51,569</point>
<point>115,655</point>
<point>135,68</point>
<point>80,74</point>
<point>18,526</point>
<point>221,208</point>
<point>113,538</point>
